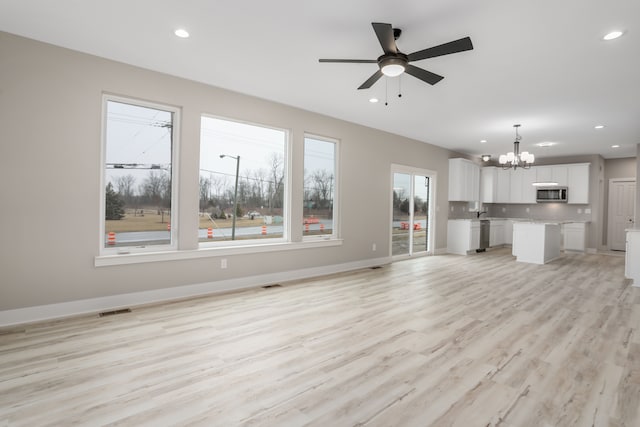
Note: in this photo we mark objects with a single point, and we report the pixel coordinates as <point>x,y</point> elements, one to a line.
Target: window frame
<point>253,244</point>
<point>175,177</point>
<point>335,233</point>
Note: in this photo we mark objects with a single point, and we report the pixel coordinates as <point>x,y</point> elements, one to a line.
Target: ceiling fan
<point>393,62</point>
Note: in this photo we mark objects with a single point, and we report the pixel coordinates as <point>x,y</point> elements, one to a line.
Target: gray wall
<point>50,122</point>
<point>637,216</point>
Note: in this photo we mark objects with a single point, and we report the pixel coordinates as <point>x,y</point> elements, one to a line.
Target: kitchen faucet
<point>478,213</point>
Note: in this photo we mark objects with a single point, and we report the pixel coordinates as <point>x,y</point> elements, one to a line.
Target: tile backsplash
<point>545,211</point>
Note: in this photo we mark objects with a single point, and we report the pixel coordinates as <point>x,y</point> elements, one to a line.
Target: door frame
<point>609,216</point>
<point>431,220</point>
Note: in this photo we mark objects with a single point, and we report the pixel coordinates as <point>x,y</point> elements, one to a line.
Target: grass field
<point>154,222</point>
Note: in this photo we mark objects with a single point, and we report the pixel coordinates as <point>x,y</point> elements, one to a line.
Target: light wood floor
<point>446,340</point>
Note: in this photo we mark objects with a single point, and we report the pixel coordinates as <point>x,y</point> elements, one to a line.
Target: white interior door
<point>622,202</point>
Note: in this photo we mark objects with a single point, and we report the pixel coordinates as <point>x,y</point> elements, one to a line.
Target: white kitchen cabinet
<point>631,265</point>
<point>463,236</point>
<point>552,173</point>
<point>503,186</point>
<point>521,187</point>
<point>496,232</point>
<point>508,232</point>
<point>464,181</point>
<point>578,183</point>
<point>515,189</point>
<point>536,242</point>
<point>575,236</point>
<point>488,184</point>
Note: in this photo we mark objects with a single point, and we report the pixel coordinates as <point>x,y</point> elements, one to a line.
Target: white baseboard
<point>96,305</point>
<point>440,251</point>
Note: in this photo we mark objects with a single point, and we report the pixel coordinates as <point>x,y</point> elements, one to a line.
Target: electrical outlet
<point>374,247</point>
<point>451,208</point>
<point>579,210</point>
<point>587,211</point>
<point>504,210</point>
<point>528,210</point>
<point>223,263</point>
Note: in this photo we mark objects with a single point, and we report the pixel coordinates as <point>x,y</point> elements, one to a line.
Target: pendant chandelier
<point>515,159</point>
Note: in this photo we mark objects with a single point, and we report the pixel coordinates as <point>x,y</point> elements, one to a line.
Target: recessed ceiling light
<point>546,144</point>
<point>599,127</point>
<point>483,141</point>
<point>182,33</point>
<point>373,100</point>
<point>612,35</point>
<point>615,146</point>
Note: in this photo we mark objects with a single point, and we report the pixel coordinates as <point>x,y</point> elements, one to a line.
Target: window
<point>243,175</point>
<point>319,187</point>
<point>138,182</point>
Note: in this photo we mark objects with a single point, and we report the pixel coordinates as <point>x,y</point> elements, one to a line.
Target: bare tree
<point>125,187</point>
<point>276,184</point>
<point>205,192</point>
<point>322,188</point>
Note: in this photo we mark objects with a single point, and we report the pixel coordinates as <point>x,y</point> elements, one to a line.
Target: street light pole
<point>235,194</point>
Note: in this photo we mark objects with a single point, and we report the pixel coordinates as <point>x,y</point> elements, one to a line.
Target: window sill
<point>174,255</point>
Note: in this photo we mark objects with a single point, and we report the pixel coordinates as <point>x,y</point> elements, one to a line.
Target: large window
<point>139,144</point>
<point>319,187</point>
<point>243,170</point>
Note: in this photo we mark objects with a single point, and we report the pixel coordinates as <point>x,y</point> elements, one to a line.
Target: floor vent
<point>376,267</point>
<point>112,312</point>
<point>272,286</point>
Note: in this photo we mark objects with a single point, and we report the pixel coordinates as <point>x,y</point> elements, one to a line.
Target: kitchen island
<point>536,242</point>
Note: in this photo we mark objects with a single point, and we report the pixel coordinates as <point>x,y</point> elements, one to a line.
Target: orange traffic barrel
<point>264,230</point>
<point>111,238</point>
<point>209,233</point>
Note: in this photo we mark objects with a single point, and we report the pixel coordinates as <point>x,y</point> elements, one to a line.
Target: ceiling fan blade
<point>351,61</point>
<point>424,75</point>
<point>385,37</point>
<point>444,49</point>
<point>371,80</point>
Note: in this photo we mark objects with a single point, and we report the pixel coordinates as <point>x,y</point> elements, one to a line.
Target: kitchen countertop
<point>533,220</point>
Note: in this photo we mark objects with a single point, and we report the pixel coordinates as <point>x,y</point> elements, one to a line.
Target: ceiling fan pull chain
<point>400,86</point>
<point>386,90</point>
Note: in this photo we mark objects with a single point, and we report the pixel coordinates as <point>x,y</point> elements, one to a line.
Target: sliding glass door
<point>411,214</point>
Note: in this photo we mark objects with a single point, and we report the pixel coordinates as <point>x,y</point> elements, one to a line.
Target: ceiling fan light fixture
<point>392,67</point>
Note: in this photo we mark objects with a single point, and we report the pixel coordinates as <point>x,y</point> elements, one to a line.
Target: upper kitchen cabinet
<point>503,192</point>
<point>554,173</point>
<point>464,181</point>
<point>522,189</point>
<point>578,183</point>
<point>488,184</point>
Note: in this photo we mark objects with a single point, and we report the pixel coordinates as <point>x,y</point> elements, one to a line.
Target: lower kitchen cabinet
<point>496,232</point>
<point>632,266</point>
<point>575,236</point>
<point>463,236</point>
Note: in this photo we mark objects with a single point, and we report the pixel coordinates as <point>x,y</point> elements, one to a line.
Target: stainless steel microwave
<point>552,194</point>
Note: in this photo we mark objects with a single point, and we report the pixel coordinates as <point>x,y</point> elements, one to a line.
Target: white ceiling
<point>542,64</point>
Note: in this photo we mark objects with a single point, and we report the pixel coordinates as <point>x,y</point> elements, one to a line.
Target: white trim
<point>96,305</point>
<point>335,232</point>
<point>175,173</point>
<point>206,252</point>
<point>433,184</point>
